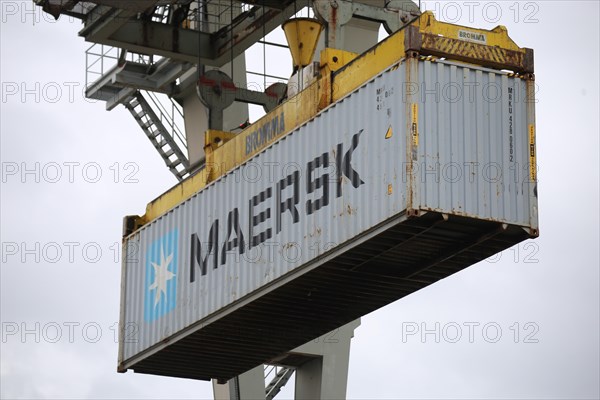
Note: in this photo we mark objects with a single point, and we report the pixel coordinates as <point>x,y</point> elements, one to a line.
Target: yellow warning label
<point>389,133</point>
<point>414,128</point>
<point>532,162</point>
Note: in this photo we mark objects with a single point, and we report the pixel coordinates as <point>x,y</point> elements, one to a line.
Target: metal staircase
<point>160,137</point>
<point>281,376</point>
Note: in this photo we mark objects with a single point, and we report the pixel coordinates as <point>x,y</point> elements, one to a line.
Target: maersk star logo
<point>161,277</point>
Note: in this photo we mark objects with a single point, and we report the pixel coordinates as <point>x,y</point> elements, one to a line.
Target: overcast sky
<point>61,229</point>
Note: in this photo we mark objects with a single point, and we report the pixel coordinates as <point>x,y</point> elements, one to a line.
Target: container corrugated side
<point>351,173</point>
<point>474,144</point>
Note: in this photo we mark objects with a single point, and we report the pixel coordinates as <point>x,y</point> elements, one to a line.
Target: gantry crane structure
<point>180,68</point>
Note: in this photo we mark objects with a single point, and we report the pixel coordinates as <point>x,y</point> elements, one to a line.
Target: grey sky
<point>547,288</point>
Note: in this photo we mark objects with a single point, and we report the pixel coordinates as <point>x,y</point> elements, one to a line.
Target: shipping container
<point>424,170</point>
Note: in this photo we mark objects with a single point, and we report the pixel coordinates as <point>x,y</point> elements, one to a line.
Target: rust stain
<point>464,51</point>
<point>333,27</point>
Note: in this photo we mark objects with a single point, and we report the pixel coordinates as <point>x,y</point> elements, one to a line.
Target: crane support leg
<point>321,367</point>
<point>325,376</point>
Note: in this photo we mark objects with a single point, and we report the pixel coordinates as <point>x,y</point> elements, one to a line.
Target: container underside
<point>404,258</point>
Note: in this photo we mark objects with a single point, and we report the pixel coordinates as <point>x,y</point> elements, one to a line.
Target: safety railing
<point>101,59</point>
<point>170,114</point>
